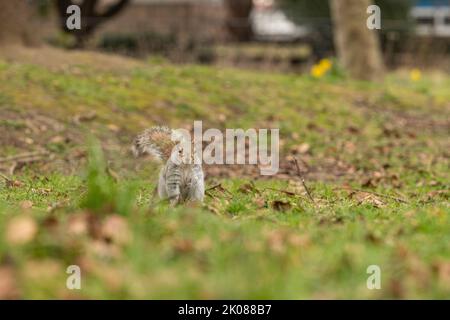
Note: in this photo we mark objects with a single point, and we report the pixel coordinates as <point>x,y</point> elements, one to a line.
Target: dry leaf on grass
<point>203,244</point>
<point>14,183</point>
<point>8,284</point>
<point>183,245</point>
<point>84,117</point>
<point>248,188</point>
<point>104,250</point>
<point>113,127</point>
<point>280,205</point>
<point>21,230</point>
<point>78,224</point>
<point>26,204</point>
<point>260,202</point>
<point>112,278</point>
<point>276,241</point>
<point>58,139</point>
<point>301,149</point>
<point>298,240</point>
<point>367,198</point>
<point>419,272</point>
<point>42,270</point>
<point>115,228</point>
<point>442,269</point>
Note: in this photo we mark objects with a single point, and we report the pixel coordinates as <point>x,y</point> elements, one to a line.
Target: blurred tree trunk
<point>91,16</point>
<point>238,19</point>
<point>357,46</point>
<point>16,22</point>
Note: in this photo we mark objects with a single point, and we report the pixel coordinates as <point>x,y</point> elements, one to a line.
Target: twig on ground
<point>207,191</point>
<point>57,205</point>
<point>8,180</point>
<point>12,169</point>
<point>30,160</point>
<point>25,157</point>
<point>254,187</point>
<point>304,163</point>
<point>213,187</point>
<point>375,193</point>
<point>299,173</point>
<point>290,193</point>
<point>220,187</point>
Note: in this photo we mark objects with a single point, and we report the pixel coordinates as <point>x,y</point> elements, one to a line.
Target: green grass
<point>247,240</point>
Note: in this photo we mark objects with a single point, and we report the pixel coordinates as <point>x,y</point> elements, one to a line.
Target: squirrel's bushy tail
<point>155,141</point>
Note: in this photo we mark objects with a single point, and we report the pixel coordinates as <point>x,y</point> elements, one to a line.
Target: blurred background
<point>373,154</point>
<point>283,35</point>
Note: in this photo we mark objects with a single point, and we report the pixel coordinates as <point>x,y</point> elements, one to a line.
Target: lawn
<point>375,158</point>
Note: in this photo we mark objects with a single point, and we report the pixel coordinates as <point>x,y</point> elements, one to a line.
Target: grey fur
<point>178,181</point>
<point>181,183</point>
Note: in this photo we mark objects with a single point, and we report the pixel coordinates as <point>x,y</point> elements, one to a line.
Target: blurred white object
<point>432,20</point>
<point>272,25</point>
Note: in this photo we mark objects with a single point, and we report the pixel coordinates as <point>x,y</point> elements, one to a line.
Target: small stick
<point>207,191</point>
<point>289,193</point>
<point>29,160</point>
<point>213,187</point>
<point>219,185</point>
<point>254,187</point>
<point>5,177</point>
<point>376,194</point>
<point>299,173</point>
<point>304,163</point>
<point>23,155</point>
<point>12,168</point>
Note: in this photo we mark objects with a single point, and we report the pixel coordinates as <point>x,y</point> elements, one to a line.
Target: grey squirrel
<point>180,180</point>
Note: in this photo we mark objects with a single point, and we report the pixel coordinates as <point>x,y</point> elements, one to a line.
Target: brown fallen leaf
<point>418,271</point>
<point>8,285</point>
<point>301,149</point>
<point>78,224</point>
<point>51,223</point>
<point>298,240</point>
<point>438,193</point>
<point>58,140</point>
<point>183,245</point>
<point>260,202</point>
<point>115,228</point>
<point>111,277</point>
<point>26,204</point>
<point>367,198</point>
<point>42,270</point>
<point>276,241</point>
<point>442,268</point>
<point>113,127</point>
<point>214,208</point>
<point>21,230</point>
<point>281,205</point>
<point>16,183</point>
<point>396,288</point>
<point>104,249</point>
<point>28,140</point>
<point>248,188</point>
<point>203,244</point>
<point>84,117</point>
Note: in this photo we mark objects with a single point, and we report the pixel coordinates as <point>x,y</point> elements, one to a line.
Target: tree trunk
<point>238,19</point>
<point>91,17</point>
<point>16,22</point>
<point>357,46</point>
